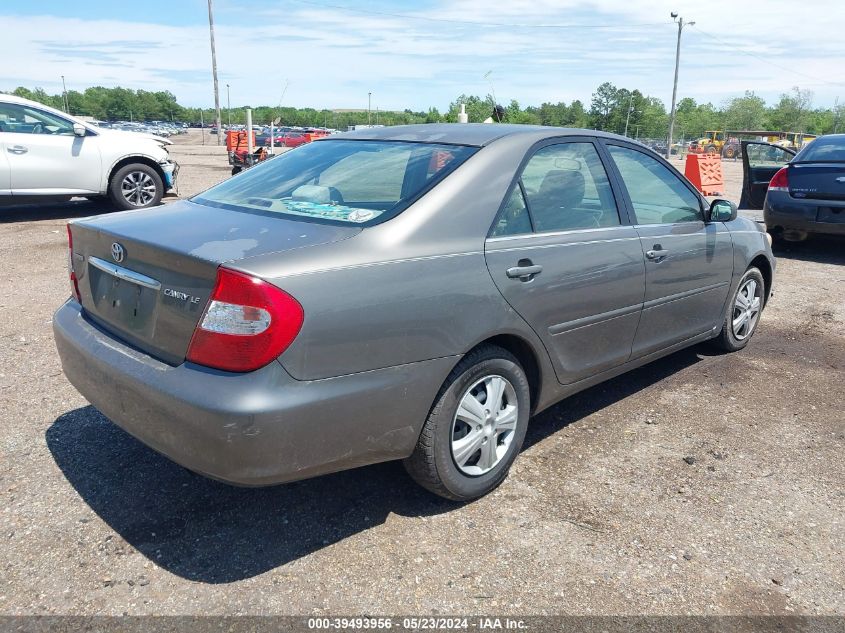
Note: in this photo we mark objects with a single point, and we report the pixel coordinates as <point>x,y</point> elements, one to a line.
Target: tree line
<point>611,109</point>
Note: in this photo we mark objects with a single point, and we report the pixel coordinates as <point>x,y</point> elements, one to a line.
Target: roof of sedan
<point>475,134</point>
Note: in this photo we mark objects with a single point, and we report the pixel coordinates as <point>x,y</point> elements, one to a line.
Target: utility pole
<point>228,106</point>
<point>836,113</point>
<point>369,104</point>
<point>630,109</point>
<point>214,74</point>
<point>64,95</point>
<point>680,22</point>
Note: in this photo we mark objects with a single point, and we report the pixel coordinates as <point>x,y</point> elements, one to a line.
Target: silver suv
<point>46,154</point>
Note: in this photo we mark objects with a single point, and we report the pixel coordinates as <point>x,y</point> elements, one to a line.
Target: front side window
<point>658,195</point>
<point>336,181</point>
<point>566,188</point>
<point>22,119</point>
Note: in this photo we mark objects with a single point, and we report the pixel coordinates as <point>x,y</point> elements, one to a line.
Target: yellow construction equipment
<point>726,142</point>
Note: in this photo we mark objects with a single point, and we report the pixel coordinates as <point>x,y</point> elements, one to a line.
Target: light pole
<point>630,110</point>
<point>64,95</point>
<point>369,104</point>
<point>214,73</point>
<point>680,22</point>
<point>228,106</point>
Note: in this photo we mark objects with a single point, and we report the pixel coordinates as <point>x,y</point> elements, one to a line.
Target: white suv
<point>47,154</point>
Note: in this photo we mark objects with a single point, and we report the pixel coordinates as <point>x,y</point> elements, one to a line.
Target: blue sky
<point>331,53</point>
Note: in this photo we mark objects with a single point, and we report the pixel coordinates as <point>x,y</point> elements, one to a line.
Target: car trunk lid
<point>145,276</point>
<point>823,181</point>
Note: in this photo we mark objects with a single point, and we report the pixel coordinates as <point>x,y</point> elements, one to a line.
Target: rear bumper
<point>781,211</point>
<point>248,429</point>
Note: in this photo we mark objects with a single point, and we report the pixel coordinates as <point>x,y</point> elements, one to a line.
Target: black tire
<point>728,340</point>
<point>432,464</point>
<point>152,187</point>
<point>236,170</point>
<point>710,149</point>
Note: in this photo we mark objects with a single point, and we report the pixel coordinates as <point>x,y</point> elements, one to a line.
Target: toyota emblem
<point>117,252</point>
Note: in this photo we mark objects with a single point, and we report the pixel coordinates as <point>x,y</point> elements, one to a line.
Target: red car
<point>294,139</point>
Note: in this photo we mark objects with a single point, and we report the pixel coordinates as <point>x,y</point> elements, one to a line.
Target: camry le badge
<point>117,252</point>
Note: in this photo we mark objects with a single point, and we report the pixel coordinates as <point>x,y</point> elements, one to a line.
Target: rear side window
<point>342,182</point>
<point>514,219</point>
<point>565,188</point>
<point>658,195</point>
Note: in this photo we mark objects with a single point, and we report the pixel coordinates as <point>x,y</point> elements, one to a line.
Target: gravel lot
<point>705,484</point>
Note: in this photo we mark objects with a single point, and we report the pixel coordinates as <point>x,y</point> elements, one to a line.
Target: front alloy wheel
<point>136,186</point>
<point>747,306</point>
<point>743,313</point>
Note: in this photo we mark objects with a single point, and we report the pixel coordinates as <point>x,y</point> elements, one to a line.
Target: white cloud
<point>332,58</point>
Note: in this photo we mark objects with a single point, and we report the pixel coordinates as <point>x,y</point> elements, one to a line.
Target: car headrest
<point>563,188</point>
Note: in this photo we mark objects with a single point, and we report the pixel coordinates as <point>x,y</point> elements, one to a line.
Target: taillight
<point>780,181</point>
<point>246,324</point>
<point>74,282</point>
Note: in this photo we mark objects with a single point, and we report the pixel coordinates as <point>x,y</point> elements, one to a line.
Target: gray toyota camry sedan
<point>413,293</point>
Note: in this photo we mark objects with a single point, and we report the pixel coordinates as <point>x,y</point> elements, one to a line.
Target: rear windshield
<point>823,150</point>
<point>340,182</point>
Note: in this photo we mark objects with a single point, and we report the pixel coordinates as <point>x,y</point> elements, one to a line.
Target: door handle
<point>17,149</point>
<point>525,270</point>
<point>657,253</point>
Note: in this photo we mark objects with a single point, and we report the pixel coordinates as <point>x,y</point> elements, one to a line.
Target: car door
<point>565,257</point>
<point>688,263</point>
<point>44,154</point>
<point>5,174</point>
<point>760,162</point>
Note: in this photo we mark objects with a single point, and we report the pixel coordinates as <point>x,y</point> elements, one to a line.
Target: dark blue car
<point>800,193</point>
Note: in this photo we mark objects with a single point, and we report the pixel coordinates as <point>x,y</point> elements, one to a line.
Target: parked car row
<point>158,128</point>
<point>284,136</point>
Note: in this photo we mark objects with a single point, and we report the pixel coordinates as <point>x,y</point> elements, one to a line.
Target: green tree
<point>745,113</point>
<point>792,112</point>
<point>604,101</point>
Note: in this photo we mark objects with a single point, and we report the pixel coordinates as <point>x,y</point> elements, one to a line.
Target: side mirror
<point>721,211</point>
<point>79,129</point>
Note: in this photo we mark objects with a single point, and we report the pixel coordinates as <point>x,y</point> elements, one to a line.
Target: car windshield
<point>823,150</point>
<point>340,181</point>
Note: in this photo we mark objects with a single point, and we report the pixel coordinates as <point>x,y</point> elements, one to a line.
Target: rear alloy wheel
<point>484,425</point>
<point>136,186</point>
<point>743,312</point>
<point>476,427</point>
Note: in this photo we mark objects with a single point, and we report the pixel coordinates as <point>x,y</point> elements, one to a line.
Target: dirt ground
<point>699,484</point>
